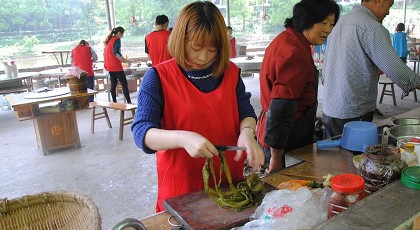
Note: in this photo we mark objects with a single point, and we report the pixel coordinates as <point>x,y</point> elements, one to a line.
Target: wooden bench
<point>104,114</point>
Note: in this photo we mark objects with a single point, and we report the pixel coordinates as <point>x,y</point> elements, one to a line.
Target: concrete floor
<point>119,177</point>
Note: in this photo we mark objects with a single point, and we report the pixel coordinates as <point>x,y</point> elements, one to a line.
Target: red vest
<point>157,46</point>
<point>213,115</point>
<point>111,62</point>
<point>82,58</point>
<point>232,43</point>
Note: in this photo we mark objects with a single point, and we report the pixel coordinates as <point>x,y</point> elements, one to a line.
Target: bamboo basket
<point>50,210</point>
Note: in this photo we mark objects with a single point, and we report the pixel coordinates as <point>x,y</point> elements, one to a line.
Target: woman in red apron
<point>192,102</point>
<point>113,63</point>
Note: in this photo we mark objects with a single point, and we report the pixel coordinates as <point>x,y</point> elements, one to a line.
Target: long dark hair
<point>306,13</point>
<point>113,33</point>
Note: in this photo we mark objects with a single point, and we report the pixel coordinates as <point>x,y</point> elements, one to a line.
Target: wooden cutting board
<point>198,211</point>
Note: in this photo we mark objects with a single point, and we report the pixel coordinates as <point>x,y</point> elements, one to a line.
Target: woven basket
<point>50,210</point>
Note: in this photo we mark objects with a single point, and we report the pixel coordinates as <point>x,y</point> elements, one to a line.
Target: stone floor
<point>119,177</point>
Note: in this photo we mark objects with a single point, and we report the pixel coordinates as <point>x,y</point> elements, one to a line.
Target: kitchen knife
<point>228,148</point>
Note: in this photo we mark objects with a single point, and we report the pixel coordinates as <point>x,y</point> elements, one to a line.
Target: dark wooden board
<point>198,211</point>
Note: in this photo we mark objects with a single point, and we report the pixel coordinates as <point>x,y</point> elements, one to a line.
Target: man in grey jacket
<point>357,47</point>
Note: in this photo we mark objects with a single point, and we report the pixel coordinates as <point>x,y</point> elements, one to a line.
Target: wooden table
<point>57,128</point>
<point>316,163</point>
<point>21,83</point>
<point>248,65</point>
<point>61,54</point>
<point>60,72</point>
<point>56,72</point>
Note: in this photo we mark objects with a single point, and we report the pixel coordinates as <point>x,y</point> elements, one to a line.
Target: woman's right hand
<point>198,146</point>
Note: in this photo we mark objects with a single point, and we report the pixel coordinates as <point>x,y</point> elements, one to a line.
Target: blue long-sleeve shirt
<point>150,101</point>
<point>117,48</point>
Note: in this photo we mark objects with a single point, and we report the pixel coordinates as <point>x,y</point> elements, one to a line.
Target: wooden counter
<point>56,128</point>
<point>316,163</point>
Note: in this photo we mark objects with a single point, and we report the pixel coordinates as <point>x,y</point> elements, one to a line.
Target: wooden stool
<point>385,83</point>
<point>116,106</point>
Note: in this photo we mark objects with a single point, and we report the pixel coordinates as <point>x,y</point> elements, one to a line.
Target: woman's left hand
<point>255,154</point>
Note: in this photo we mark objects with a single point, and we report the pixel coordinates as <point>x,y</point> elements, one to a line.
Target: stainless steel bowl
<point>403,133</point>
<point>405,121</point>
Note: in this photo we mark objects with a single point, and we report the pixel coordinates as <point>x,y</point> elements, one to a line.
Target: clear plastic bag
<point>287,209</point>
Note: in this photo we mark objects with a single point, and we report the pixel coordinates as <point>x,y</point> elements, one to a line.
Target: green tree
<point>277,14</point>
<point>240,10</point>
<point>89,9</point>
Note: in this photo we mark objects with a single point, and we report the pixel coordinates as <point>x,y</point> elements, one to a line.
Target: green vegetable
<point>242,196</point>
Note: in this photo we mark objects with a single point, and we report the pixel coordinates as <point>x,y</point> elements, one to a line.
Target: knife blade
<point>228,148</point>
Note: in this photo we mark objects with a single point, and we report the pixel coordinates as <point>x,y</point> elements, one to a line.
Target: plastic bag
<point>286,209</point>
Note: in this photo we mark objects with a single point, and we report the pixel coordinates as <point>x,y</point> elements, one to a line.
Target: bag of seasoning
<point>379,170</point>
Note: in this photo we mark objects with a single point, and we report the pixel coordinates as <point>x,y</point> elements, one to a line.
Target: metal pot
<point>405,121</point>
<point>404,133</point>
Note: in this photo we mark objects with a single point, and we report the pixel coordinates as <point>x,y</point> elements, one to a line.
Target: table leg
<point>67,57</point>
<point>121,124</point>
<point>56,58</point>
<point>62,61</point>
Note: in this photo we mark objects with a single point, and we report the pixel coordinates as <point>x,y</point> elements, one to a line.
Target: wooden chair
<point>385,81</point>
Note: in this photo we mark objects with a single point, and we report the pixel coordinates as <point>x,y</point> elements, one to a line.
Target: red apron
<point>111,62</point>
<point>213,115</point>
<point>82,58</point>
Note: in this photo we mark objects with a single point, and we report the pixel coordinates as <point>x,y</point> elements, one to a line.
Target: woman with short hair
<point>195,101</point>
<point>289,81</point>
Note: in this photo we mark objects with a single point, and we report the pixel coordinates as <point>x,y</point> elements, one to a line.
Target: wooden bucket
<point>77,85</point>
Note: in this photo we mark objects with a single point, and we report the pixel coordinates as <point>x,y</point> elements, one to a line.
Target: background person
<point>157,41</point>
<point>193,102</point>
<point>112,63</point>
<point>357,47</point>
<point>399,41</point>
<point>289,81</point>
<point>232,42</point>
<point>82,57</point>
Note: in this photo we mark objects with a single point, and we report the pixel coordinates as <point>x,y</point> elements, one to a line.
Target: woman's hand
<point>277,161</point>
<point>198,146</point>
<point>255,154</point>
